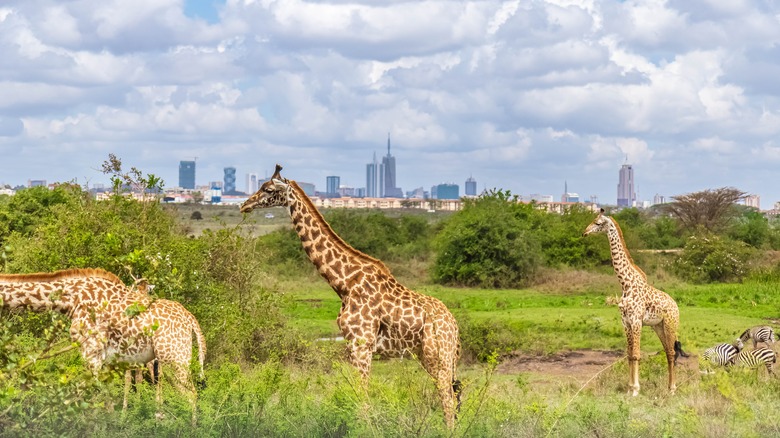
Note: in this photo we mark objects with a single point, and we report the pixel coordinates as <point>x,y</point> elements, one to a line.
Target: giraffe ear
<point>279,183</point>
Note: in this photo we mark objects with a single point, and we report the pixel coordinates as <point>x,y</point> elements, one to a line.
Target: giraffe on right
<point>641,304</point>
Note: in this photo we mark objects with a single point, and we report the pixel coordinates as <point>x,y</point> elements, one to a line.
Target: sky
<point>521,95</point>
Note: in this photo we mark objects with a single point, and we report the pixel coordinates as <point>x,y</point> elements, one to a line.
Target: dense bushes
<point>217,276</point>
<point>489,243</point>
<point>707,257</point>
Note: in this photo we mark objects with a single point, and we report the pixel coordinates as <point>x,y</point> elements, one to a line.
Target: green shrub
<point>707,258</point>
<point>488,244</point>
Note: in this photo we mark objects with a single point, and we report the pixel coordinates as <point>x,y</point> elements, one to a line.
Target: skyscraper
<point>625,189</point>
<point>187,174</point>
<point>230,180</point>
<point>251,183</point>
<point>387,176</point>
<point>372,179</point>
<point>332,184</point>
<point>471,187</point>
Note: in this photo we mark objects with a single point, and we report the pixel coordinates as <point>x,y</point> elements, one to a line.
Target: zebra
<point>759,333</point>
<point>754,358</point>
<point>723,354</point>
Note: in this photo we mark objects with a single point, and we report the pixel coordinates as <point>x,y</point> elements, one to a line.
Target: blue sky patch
<point>203,9</point>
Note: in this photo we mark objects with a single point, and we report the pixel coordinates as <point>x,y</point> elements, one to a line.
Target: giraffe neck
<point>627,272</point>
<point>38,296</point>
<point>61,291</point>
<point>335,260</point>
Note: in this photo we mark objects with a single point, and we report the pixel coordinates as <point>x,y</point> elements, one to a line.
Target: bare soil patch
<point>579,365</point>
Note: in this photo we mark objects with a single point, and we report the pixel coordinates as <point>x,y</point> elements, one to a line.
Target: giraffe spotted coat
<point>111,322</point>
<point>378,314</point>
<point>641,304</point>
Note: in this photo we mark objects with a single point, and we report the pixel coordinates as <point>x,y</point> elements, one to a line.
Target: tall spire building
<point>387,176</point>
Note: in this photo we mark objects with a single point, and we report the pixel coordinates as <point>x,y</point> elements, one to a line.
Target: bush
<point>708,258</point>
<point>562,241</point>
<point>488,244</point>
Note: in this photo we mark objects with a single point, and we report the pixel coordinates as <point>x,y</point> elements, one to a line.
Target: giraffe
<point>378,314</point>
<point>111,322</point>
<point>641,304</point>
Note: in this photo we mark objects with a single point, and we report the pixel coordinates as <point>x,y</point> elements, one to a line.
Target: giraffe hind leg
<point>668,339</point>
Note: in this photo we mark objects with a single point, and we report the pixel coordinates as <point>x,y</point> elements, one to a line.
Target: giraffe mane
<point>326,229</point>
<point>61,275</point>
<point>628,254</point>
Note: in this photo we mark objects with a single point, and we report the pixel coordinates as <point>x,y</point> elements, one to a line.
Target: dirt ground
<point>579,365</point>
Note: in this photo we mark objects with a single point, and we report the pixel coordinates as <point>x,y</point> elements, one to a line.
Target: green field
<point>545,360</point>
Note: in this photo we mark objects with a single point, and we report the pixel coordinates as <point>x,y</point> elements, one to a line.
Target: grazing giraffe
<point>378,314</point>
<point>111,322</point>
<point>641,304</point>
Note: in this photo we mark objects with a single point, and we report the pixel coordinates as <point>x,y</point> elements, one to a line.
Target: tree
<point>708,209</point>
<point>196,215</point>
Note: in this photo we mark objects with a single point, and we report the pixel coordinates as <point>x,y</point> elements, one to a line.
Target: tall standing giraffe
<point>111,322</point>
<point>378,314</point>
<point>641,304</point>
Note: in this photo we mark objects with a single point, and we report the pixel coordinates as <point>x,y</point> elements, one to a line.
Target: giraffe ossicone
<point>378,314</point>
<point>641,304</point>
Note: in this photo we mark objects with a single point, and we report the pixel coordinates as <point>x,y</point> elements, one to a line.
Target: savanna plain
<point>536,303</point>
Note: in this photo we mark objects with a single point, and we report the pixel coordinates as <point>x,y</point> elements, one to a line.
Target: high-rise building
<point>471,187</point>
<point>625,189</point>
<point>332,185</point>
<point>445,191</point>
<point>659,199</point>
<point>567,195</point>
<point>372,179</point>
<point>230,179</point>
<point>187,174</point>
<point>387,176</point>
<point>251,183</point>
<point>753,201</point>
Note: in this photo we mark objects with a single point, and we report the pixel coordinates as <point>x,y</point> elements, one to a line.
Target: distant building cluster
<point>381,191</point>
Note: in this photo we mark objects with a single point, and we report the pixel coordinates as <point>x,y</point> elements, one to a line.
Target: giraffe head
<point>273,193</point>
<point>599,225</point>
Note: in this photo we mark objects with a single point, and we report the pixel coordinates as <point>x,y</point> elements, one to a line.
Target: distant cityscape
<point>380,191</point>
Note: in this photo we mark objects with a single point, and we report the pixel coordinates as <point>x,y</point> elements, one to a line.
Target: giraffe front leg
<point>128,382</point>
<point>633,336</point>
<point>361,352</point>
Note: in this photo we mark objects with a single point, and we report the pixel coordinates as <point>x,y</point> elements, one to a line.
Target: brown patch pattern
<point>97,302</point>
<point>378,314</point>
<point>641,303</point>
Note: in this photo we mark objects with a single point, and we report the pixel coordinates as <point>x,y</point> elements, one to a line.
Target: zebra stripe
<point>723,354</point>
<point>754,358</point>
<point>759,333</point>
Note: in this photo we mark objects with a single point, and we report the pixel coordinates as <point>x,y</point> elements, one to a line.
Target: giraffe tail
<point>678,351</point>
<point>201,352</point>
<point>457,388</point>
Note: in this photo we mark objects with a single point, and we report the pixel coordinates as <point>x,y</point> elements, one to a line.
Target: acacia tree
<point>709,209</point>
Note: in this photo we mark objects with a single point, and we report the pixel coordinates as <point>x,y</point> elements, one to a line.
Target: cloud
<point>523,95</point>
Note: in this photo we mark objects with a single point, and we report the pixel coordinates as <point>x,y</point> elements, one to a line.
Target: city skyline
<point>523,95</point>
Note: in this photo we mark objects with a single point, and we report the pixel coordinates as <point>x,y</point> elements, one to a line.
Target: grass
<point>548,322</point>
